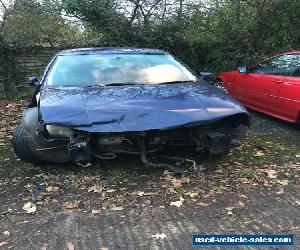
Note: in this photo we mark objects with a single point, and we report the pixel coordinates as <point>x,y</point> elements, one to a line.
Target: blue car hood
<point>135,108</point>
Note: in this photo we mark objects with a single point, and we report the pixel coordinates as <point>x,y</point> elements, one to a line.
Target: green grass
<point>248,173</point>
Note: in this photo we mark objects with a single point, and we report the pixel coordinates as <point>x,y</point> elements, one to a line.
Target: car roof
<point>290,52</point>
<point>85,51</point>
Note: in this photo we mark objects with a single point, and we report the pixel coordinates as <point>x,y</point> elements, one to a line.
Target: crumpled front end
<point>99,123</point>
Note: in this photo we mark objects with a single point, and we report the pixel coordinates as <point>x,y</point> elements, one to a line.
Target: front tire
<point>33,148</point>
<point>20,143</point>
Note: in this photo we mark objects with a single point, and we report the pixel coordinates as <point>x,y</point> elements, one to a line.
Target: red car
<point>271,86</point>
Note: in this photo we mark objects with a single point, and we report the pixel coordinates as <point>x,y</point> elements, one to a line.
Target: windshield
<point>98,69</point>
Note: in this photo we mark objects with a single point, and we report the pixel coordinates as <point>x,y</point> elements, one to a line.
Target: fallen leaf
<point>29,207</point>
<point>229,210</point>
<point>2,243</point>
<point>51,189</point>
<point>111,190</point>
<point>172,190</point>
<point>8,106</point>
<point>192,194</point>
<point>203,204</point>
<point>114,208</point>
<point>96,211</point>
<point>96,188</point>
<point>269,172</point>
<point>6,233</point>
<point>259,153</point>
<point>72,204</point>
<point>140,193</point>
<point>177,203</point>
<point>159,236</point>
<point>280,191</point>
<point>283,182</point>
<point>149,194</point>
<point>70,246</point>
<point>177,183</point>
<point>241,204</point>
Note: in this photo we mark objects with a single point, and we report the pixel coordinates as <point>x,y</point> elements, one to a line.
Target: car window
<point>285,65</point>
<point>90,69</point>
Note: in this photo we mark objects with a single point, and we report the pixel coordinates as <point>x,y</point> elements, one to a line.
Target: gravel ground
<point>123,205</point>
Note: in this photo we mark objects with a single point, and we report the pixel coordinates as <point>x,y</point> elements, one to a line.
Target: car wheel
<point>33,148</point>
<point>20,142</point>
<point>220,85</point>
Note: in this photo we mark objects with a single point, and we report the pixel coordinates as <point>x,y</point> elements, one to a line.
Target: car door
<point>288,101</point>
<point>260,85</point>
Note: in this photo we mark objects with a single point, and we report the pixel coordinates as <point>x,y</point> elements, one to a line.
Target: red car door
<point>257,90</point>
<point>288,101</point>
<point>259,87</point>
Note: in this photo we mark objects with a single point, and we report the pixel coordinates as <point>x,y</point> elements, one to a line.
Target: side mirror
<point>206,75</point>
<point>243,69</point>
<point>32,81</point>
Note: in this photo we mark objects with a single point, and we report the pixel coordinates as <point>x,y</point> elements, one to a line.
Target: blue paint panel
<point>136,108</point>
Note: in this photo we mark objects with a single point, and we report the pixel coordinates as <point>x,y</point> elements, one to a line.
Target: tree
<point>41,29</point>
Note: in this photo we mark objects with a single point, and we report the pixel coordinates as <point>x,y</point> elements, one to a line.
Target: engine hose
<point>194,164</point>
<point>176,171</point>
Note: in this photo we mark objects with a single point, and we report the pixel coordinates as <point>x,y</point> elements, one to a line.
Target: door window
<point>285,65</point>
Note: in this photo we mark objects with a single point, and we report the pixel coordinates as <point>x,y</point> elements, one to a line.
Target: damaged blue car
<point>100,102</point>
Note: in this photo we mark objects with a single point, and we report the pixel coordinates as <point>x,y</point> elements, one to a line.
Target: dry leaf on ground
<point>259,153</point>
<point>111,190</point>
<point>192,194</point>
<point>72,204</point>
<point>177,183</point>
<point>140,193</point>
<point>177,203</point>
<point>96,211</point>
<point>280,191</point>
<point>29,207</point>
<point>159,236</point>
<point>70,246</point>
<point>114,208</point>
<point>229,210</point>
<point>6,233</point>
<point>52,189</point>
<point>2,243</point>
<point>271,173</point>
<point>241,204</point>
<point>96,188</point>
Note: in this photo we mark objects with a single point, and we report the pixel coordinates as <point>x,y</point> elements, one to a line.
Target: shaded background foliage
<point>212,35</point>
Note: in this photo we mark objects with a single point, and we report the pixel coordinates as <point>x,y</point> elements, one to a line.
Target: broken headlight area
<point>59,131</point>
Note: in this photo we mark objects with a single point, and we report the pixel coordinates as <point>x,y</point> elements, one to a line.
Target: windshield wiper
<point>112,84</point>
<point>174,82</point>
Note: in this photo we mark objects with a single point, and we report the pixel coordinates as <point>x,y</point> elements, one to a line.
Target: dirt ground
<point>120,204</point>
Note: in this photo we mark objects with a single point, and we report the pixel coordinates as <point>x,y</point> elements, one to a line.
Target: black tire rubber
<point>21,147</point>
